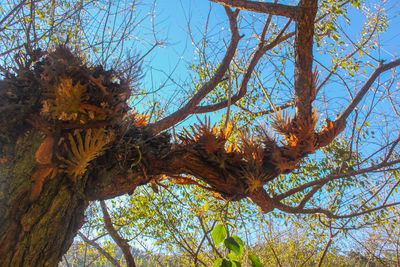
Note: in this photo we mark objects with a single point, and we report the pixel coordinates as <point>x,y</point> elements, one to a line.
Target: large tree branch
<point>208,86</point>
<point>258,54</point>
<point>256,57</point>
<point>261,7</point>
<point>303,78</point>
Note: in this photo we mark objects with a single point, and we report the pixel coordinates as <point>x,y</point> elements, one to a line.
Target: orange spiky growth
<point>252,151</point>
<point>298,133</point>
<point>303,134</point>
<point>74,94</point>
<point>68,102</point>
<point>81,151</point>
<point>299,140</point>
<point>211,139</point>
<point>180,180</point>
<point>255,178</point>
<point>283,161</point>
<point>282,123</point>
<point>328,133</point>
<point>232,148</point>
<point>68,98</point>
<point>141,119</point>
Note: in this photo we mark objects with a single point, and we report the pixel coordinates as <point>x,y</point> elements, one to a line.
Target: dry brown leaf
<point>44,154</point>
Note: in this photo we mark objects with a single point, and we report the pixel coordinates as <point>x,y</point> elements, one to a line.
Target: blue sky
<point>178,52</point>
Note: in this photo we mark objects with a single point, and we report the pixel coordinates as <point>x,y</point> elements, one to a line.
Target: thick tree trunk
<point>35,232</point>
<point>66,138</point>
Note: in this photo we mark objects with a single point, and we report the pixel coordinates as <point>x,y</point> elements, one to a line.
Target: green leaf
<point>235,244</point>
<point>234,260</point>
<point>226,263</point>
<point>218,262</point>
<point>356,4</point>
<point>255,262</point>
<point>218,234</point>
<point>232,257</point>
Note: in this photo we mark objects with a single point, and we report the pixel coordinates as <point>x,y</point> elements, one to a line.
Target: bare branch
<point>357,48</point>
<point>113,261</point>
<point>332,177</point>
<point>269,111</point>
<point>122,243</point>
<point>10,14</point>
<point>261,49</point>
<point>307,197</point>
<point>206,232</point>
<point>208,86</point>
<point>381,68</point>
<point>351,215</point>
<point>261,7</point>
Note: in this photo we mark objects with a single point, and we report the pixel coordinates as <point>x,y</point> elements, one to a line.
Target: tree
<point>69,136</point>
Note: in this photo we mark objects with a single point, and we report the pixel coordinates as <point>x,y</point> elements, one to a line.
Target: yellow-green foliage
<point>80,152</point>
<point>67,102</point>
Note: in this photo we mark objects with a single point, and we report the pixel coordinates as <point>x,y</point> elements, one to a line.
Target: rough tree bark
<point>34,233</point>
<point>43,199</point>
<point>68,137</point>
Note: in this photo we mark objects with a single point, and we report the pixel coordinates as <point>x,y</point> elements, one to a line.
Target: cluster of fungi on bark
<point>69,137</point>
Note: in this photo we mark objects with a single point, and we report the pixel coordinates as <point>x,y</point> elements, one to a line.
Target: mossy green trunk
<point>34,232</point>
<point>59,120</point>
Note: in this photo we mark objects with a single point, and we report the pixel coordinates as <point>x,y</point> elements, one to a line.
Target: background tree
<point>69,137</point>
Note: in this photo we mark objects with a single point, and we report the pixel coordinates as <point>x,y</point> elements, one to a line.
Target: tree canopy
<point>290,105</point>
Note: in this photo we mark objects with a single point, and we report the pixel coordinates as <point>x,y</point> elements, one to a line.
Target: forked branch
<point>257,55</point>
<point>107,255</point>
<point>188,109</point>
<point>122,243</point>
